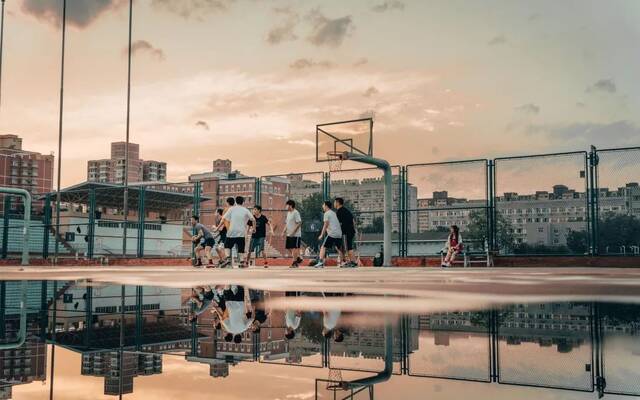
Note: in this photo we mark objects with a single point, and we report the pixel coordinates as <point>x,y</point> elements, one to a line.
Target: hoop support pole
<point>388,200</point>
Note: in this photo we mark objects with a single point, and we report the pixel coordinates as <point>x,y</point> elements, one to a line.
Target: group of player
<point>233,224</point>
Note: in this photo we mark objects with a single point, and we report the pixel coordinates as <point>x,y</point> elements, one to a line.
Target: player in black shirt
<point>348,226</point>
<point>258,235</point>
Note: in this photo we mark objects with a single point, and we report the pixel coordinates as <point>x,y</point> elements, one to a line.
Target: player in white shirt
<point>293,233</point>
<point>333,238</point>
<point>237,218</point>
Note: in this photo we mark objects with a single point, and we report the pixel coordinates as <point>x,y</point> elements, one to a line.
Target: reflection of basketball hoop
<point>335,159</point>
<point>335,382</point>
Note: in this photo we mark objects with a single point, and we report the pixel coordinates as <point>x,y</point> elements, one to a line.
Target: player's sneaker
<point>317,264</point>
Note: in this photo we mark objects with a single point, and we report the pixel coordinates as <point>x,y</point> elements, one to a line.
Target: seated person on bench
<point>454,246</point>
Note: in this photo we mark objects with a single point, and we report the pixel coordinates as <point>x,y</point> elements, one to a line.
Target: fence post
<point>91,229</point>
<point>257,196</point>
<point>326,185</point>
<point>141,219</point>
<point>491,207</point>
<point>5,225</point>
<point>46,221</point>
<point>195,211</point>
<point>594,211</point>
<point>404,213</point>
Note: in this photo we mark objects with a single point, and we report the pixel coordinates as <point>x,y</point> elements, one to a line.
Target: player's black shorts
<point>331,242</point>
<point>207,242</point>
<point>235,241</point>
<point>292,242</point>
<point>348,240</point>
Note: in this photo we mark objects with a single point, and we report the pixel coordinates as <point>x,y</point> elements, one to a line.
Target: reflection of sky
<point>536,365</point>
<point>622,362</point>
<point>182,380</point>
<point>465,356</point>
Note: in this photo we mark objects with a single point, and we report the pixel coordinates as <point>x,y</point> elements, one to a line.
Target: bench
<point>466,257</point>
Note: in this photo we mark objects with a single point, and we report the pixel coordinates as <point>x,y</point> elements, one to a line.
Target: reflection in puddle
<point>100,341</point>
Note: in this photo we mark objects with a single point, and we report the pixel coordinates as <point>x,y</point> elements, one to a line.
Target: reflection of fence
<point>570,346</point>
<point>574,203</point>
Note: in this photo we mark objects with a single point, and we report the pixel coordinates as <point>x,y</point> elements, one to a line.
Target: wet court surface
<point>175,332</point>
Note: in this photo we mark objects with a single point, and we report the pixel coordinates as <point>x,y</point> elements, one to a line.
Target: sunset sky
<point>248,80</point>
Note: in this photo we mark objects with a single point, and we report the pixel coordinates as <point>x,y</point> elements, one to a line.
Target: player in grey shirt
<point>203,241</point>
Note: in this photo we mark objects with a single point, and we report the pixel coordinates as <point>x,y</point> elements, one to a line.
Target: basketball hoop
<point>335,382</point>
<point>335,159</point>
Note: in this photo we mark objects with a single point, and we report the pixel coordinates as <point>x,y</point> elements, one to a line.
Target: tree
<point>310,210</point>
<point>477,230</point>
<point>614,231</point>
<point>377,226</point>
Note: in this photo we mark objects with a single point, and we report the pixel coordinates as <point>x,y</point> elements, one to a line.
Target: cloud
<point>329,32</point>
<point>307,63</point>
<point>603,86</point>
<point>497,40</point>
<point>143,46</point>
<point>361,61</point>
<point>371,91</point>
<point>193,8</point>
<point>303,142</point>
<point>618,133</point>
<point>80,13</point>
<point>529,108</point>
<point>388,5</point>
<point>284,31</point>
<point>202,124</point>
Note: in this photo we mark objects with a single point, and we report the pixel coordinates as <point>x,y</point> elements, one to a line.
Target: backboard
<point>354,136</point>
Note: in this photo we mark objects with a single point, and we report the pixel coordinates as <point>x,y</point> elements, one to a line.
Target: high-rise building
<point>154,171</point>
<point>24,169</point>
<point>112,170</point>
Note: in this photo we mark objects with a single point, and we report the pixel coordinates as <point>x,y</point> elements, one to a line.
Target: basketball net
<point>335,160</point>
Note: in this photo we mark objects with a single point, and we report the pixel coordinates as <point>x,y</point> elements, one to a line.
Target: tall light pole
<point>1,48</point>
<point>126,147</point>
<point>58,195</point>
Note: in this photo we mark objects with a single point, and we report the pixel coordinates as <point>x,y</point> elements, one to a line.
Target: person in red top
<point>454,246</point>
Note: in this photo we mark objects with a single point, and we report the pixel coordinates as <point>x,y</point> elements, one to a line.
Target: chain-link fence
<point>574,203</point>
<point>363,193</point>
<point>617,225</point>
<point>453,345</point>
<point>541,204</point>
<point>444,194</point>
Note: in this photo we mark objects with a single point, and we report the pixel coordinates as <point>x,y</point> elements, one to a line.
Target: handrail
<point>27,219</point>
<point>22,331</point>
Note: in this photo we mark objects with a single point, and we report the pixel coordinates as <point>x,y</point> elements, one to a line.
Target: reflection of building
<point>107,364</point>
<point>368,343</point>
<point>544,217</point>
<point>23,365</point>
<point>111,170</point>
<point>564,325</point>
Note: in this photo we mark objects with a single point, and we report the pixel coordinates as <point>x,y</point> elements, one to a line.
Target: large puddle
<point>260,339</point>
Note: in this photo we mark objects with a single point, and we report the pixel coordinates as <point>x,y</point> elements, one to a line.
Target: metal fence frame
<point>401,207</point>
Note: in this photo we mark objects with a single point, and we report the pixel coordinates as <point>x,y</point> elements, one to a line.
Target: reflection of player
<point>203,240</point>
<point>292,319</point>
<point>259,235</point>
